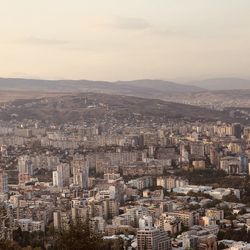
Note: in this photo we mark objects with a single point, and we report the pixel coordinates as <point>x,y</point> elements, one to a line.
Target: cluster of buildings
<point>124,179</point>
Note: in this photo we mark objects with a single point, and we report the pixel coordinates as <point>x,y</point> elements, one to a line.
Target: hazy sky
<point>124,39</point>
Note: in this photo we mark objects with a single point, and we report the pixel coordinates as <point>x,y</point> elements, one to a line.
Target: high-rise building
<point>57,180</point>
<point>217,214</point>
<point>110,208</point>
<point>80,172</point>
<point>3,182</point>
<point>230,164</point>
<point>61,175</point>
<point>197,149</point>
<point>247,133</point>
<point>25,168</point>
<point>151,238</point>
<point>187,218</point>
<point>169,224</point>
<point>184,155</point>
<point>57,219</point>
<point>214,157</point>
<point>236,130</point>
<point>169,182</point>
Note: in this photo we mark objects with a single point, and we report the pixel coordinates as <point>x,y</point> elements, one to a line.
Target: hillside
<point>105,108</point>
<point>11,89</point>
<point>218,98</point>
<point>141,88</point>
<point>222,83</point>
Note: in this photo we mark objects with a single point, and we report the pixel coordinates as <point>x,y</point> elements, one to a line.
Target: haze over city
<point>125,40</point>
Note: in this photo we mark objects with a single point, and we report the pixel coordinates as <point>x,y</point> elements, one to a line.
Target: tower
<point>236,130</point>
<point>80,172</point>
<point>61,175</point>
<point>25,168</point>
<point>3,182</point>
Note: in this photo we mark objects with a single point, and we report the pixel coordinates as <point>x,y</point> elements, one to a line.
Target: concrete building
<point>28,225</point>
<point>236,130</point>
<point>141,183</point>
<point>151,238</point>
<point>170,224</point>
<point>230,164</point>
<point>217,214</point>
<point>61,175</point>
<point>187,218</point>
<point>80,172</point>
<point>3,182</point>
<point>169,182</point>
<point>25,169</point>
<point>110,208</point>
<point>197,149</point>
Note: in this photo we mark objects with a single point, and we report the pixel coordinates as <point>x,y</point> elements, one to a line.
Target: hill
<point>141,88</point>
<point>222,84</point>
<point>105,108</point>
<point>213,99</point>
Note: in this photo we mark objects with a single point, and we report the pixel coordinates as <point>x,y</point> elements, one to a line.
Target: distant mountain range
<point>225,92</point>
<point>236,92</point>
<point>144,88</point>
<point>141,88</point>
<point>222,84</point>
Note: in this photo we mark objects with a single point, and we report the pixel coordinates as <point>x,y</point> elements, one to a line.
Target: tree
<point>9,245</point>
<point>221,246</point>
<point>231,198</point>
<point>80,236</point>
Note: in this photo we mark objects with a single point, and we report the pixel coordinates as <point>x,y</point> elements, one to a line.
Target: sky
<point>112,40</point>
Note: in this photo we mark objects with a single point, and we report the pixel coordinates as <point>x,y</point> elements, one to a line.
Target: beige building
<point>153,239</point>
<point>169,224</point>
<point>187,218</point>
